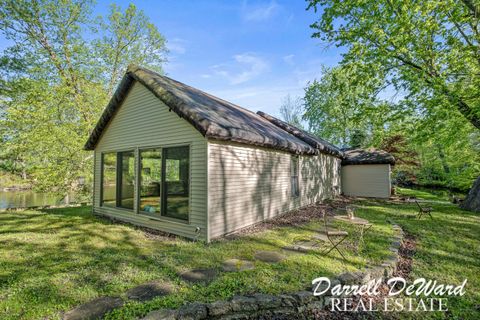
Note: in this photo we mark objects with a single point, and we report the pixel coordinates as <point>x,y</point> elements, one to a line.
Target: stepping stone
<point>269,256</point>
<point>150,290</point>
<point>303,246</point>
<point>199,275</point>
<point>94,309</point>
<point>232,265</point>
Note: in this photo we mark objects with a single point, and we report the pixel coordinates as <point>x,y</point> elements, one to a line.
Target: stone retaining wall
<point>297,305</point>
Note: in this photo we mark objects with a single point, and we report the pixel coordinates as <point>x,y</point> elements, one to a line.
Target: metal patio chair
<point>334,237</point>
<point>423,210</point>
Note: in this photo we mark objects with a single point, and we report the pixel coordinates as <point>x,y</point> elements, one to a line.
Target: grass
<point>54,260</point>
<point>448,248</point>
<point>428,194</point>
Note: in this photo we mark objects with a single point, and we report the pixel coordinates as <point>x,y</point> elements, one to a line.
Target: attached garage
<point>366,173</point>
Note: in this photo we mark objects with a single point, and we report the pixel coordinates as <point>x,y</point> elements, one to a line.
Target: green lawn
<point>448,248</point>
<point>428,194</point>
<point>54,260</point>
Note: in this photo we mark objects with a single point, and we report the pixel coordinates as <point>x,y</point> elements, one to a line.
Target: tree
<point>291,111</point>
<point>56,80</point>
<point>128,37</point>
<point>358,138</point>
<point>344,102</point>
<point>429,52</point>
<point>428,48</point>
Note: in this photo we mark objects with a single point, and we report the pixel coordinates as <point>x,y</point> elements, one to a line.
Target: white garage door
<point>366,180</point>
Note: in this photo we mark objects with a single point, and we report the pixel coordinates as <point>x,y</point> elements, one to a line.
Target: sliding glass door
<point>176,164</point>
<point>150,181</point>
<point>164,181</point>
<point>109,180</point>
<point>126,190</point>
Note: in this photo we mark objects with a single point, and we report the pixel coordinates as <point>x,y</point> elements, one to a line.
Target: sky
<point>251,53</point>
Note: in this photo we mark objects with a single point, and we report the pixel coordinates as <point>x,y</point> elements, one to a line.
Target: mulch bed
<point>295,217</point>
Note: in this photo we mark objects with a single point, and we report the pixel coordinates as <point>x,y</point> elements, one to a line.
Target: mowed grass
<point>448,248</point>
<point>54,260</point>
<point>428,194</point>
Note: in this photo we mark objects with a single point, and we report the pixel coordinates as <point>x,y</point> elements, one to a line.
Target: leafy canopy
<point>56,78</point>
<point>428,49</point>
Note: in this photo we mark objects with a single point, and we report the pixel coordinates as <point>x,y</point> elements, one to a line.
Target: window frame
<point>295,163</point>
<point>102,175</point>
<point>119,178</point>
<point>161,217</point>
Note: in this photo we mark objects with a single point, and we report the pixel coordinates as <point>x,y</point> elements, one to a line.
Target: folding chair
<point>423,210</point>
<point>335,237</point>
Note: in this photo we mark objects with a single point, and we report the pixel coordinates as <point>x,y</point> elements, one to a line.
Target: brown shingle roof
<point>211,116</point>
<point>316,142</point>
<point>369,156</point>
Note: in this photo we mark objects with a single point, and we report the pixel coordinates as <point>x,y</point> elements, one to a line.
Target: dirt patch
<point>406,253</point>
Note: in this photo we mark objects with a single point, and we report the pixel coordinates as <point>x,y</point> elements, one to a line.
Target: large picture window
<point>126,163</point>
<point>109,179</point>
<point>165,182</point>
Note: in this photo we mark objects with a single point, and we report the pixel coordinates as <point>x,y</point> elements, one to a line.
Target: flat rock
<point>192,311</point>
<point>94,309</point>
<point>149,291</point>
<point>304,246</point>
<point>199,275</point>
<point>269,256</point>
<point>232,265</point>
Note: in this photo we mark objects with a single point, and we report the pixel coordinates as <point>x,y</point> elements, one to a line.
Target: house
<point>170,157</point>
<point>366,173</point>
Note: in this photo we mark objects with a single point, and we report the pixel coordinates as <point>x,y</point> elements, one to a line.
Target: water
<point>28,198</point>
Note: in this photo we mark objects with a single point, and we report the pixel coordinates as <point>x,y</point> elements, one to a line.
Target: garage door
<point>366,180</point>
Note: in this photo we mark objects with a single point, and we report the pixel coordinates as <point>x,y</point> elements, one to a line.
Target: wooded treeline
<point>409,83</point>
<point>57,75</point>
<point>428,53</point>
<point>63,63</point>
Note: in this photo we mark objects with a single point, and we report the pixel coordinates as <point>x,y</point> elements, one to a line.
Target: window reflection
<point>127,179</point>
<point>109,174</point>
<point>151,179</point>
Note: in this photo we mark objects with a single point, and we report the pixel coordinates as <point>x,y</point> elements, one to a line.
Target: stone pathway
<point>149,291</point>
<point>269,256</point>
<point>97,308</point>
<point>199,275</point>
<point>94,309</point>
<point>232,265</point>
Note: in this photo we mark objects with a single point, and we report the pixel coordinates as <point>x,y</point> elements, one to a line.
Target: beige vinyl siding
<point>366,180</point>
<point>144,121</point>
<point>249,184</point>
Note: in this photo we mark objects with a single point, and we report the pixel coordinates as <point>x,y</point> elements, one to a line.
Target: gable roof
<point>369,156</point>
<point>213,117</point>
<point>318,143</point>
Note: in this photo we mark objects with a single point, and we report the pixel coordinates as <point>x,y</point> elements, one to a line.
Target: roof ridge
<point>213,117</point>
<point>200,91</point>
<point>316,142</point>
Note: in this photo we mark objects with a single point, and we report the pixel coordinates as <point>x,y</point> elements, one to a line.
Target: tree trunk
<point>472,202</point>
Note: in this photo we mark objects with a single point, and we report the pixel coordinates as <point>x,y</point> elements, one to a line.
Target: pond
<point>28,198</point>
